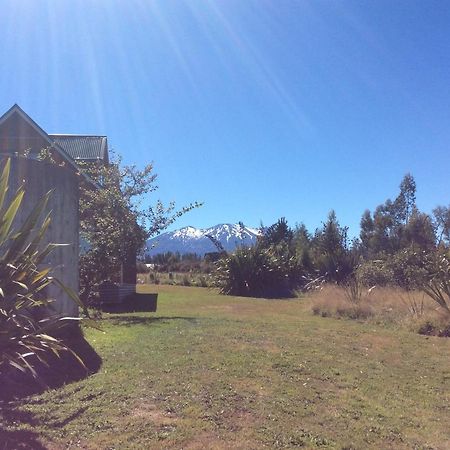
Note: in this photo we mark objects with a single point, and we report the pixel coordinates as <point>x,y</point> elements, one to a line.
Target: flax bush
<point>26,327</point>
<point>257,272</point>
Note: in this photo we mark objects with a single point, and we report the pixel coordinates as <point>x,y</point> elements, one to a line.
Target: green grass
<point>210,371</point>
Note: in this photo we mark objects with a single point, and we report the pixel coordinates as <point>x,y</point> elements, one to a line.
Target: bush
<point>436,327</point>
<point>186,280</point>
<point>437,284</point>
<point>257,272</point>
<point>375,273</point>
<point>202,281</point>
<point>25,324</point>
<point>407,269</point>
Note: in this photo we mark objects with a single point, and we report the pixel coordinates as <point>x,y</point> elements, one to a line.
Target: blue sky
<point>258,108</point>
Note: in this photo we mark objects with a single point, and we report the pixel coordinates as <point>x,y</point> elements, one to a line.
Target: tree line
<point>398,244</point>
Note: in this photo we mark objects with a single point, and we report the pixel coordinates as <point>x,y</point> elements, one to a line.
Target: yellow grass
<point>381,304</point>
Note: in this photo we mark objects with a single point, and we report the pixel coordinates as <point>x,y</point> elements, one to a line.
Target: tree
<point>115,222</point>
<point>332,254</point>
<point>405,203</point>
<point>384,231</point>
<point>367,231</point>
<point>419,232</point>
<point>442,221</point>
<point>278,233</point>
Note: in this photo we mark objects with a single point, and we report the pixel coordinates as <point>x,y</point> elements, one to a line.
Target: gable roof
<point>16,109</point>
<point>84,148</point>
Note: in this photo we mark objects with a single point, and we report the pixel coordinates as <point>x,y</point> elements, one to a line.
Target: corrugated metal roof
<point>85,148</point>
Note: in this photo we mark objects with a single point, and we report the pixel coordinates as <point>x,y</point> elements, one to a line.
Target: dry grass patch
<point>412,309</point>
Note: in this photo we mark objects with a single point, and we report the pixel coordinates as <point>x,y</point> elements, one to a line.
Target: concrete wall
<point>38,178</point>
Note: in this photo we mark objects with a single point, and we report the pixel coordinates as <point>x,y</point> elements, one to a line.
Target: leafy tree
<point>419,231</point>
<point>366,234</point>
<point>442,221</point>
<point>405,203</point>
<point>115,222</point>
<point>384,232</point>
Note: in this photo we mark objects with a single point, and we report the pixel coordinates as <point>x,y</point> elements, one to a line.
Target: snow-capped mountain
<point>195,240</point>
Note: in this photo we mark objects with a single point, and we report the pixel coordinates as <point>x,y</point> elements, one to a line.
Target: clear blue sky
<point>259,108</point>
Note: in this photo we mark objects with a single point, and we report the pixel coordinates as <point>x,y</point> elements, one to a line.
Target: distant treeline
<point>183,262</point>
<point>398,245</point>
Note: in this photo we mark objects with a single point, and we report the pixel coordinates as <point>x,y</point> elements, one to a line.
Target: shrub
<point>408,269</point>
<point>186,280</point>
<point>202,281</point>
<point>24,336</point>
<point>437,284</point>
<point>257,272</point>
<point>334,301</point>
<point>375,273</point>
<point>435,327</point>
<point>406,308</point>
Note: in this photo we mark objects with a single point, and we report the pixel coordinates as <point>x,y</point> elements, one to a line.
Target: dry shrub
<point>436,325</point>
<point>412,309</point>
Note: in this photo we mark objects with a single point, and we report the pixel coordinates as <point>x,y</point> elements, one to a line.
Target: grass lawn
<point>208,371</point>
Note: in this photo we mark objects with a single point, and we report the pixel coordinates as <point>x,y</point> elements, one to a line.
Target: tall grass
<point>386,305</point>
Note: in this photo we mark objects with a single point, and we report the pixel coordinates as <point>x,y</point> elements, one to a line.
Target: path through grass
<point>210,371</point>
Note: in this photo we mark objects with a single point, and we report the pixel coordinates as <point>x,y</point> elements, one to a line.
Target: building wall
<point>18,136</point>
<point>38,178</point>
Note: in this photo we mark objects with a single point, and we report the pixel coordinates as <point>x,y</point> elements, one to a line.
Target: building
<point>24,141</point>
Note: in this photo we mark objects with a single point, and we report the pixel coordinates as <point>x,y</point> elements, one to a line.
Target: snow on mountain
<point>195,240</point>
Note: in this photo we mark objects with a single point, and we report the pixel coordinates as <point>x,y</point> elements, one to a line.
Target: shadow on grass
<point>54,373</point>
<point>18,440</point>
<point>16,385</point>
<point>129,320</point>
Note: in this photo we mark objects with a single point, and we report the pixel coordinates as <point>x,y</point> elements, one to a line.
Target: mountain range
<point>195,240</point>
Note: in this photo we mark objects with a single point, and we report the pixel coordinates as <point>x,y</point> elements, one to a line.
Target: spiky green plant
<point>438,284</point>
<point>258,272</point>
<point>26,326</point>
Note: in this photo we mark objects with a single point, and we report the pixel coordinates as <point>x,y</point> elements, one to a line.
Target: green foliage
<point>25,322</point>
<point>442,222</point>
<point>419,232</point>
<point>395,246</point>
<point>396,225</point>
<point>375,273</point>
<point>256,272</point>
<point>406,268</point>
<point>177,262</point>
<point>270,269</point>
<point>186,281</point>
<point>115,223</point>
<point>332,256</point>
<point>277,234</point>
<point>437,284</point>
